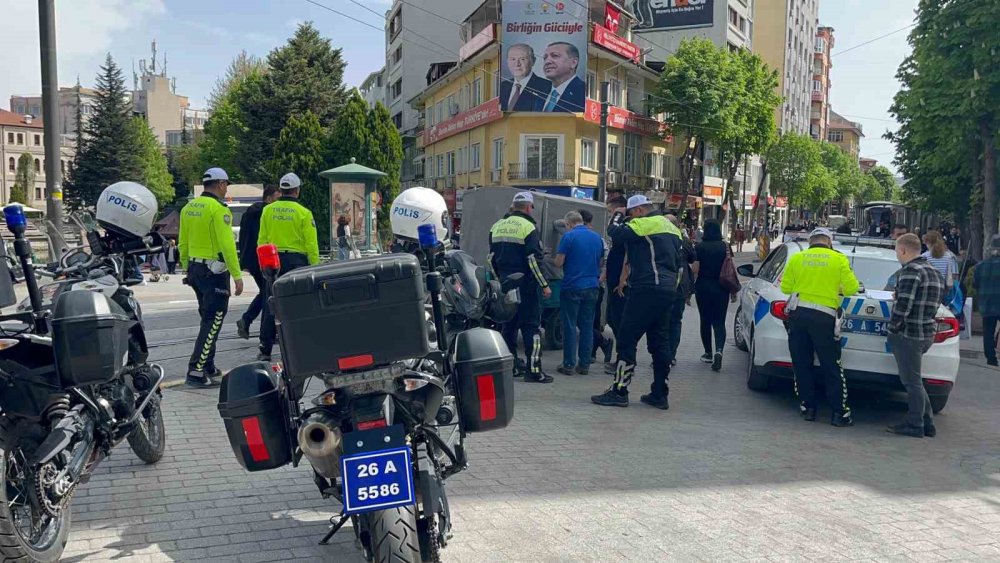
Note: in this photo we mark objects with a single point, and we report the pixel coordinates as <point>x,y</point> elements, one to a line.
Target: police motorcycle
<point>74,377</point>
<point>399,395</point>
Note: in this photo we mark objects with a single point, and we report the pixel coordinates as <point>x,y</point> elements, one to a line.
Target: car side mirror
<point>512,281</point>
<point>746,270</point>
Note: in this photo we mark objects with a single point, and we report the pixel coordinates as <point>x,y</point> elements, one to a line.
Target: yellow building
<point>469,140</point>
<point>846,134</point>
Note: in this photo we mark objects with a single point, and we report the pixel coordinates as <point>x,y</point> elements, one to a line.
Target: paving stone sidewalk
<point>725,475</point>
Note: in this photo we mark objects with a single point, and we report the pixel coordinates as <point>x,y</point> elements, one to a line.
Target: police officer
<point>207,243</point>
<point>653,248</point>
<point>516,248</point>
<point>287,224</point>
<point>815,279</point>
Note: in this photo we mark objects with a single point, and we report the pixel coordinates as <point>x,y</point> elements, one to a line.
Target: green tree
<point>152,163</point>
<point>885,180</point>
<point>24,179</point>
<point>385,154</point>
<point>185,165</point>
<point>692,93</point>
<point>300,150</point>
<point>796,170</point>
<point>242,65</point>
<point>307,74</point>
<point>752,129</point>
<point>107,153</point>
<point>845,176</point>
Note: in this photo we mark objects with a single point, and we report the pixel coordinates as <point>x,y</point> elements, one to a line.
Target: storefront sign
<point>619,118</point>
<point>668,14</point>
<point>607,39</point>
<point>479,115</point>
<point>713,190</point>
<point>477,43</point>
<point>674,202</point>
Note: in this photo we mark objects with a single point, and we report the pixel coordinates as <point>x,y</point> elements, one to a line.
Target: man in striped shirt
<point>919,289</point>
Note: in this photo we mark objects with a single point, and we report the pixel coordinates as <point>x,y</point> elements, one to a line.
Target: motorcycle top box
<point>351,315</point>
<point>256,417</point>
<point>484,369</point>
<point>90,337</point>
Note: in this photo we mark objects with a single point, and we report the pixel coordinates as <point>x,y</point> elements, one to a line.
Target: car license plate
<point>865,326</point>
<point>377,480</point>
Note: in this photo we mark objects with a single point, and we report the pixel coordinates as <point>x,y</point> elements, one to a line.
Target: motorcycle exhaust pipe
<point>320,440</point>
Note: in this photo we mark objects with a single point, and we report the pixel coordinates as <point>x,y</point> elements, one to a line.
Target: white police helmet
<point>417,206</point>
<point>127,208</point>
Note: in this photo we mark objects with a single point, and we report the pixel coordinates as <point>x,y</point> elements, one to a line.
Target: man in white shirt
<point>568,92</point>
<point>526,91</point>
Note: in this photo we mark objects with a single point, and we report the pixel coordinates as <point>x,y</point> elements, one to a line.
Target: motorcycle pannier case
<point>90,337</point>
<point>351,315</point>
<point>484,369</point>
<point>256,417</point>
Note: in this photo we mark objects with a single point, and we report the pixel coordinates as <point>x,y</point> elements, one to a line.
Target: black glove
<point>185,281</point>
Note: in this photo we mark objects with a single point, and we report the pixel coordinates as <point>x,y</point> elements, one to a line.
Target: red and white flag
<point>612,16</point>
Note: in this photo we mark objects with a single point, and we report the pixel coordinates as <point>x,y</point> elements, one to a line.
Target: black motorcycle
<point>74,383</point>
<point>399,396</point>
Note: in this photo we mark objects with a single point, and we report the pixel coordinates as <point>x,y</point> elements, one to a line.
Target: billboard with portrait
<point>668,14</point>
<point>544,58</point>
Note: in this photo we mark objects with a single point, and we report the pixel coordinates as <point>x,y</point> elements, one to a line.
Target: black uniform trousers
<point>616,306</point>
<point>256,306</point>
<point>268,333</point>
<point>676,318</point>
<point>811,332</point>
<point>527,320</point>
<point>648,311</point>
<point>212,292</point>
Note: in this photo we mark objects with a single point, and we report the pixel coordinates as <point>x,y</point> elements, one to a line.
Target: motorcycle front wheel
<point>393,535</point>
<point>26,532</point>
<point>148,439</point>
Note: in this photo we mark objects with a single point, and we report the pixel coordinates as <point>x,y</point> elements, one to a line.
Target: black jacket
<point>653,246</point>
<point>247,244</point>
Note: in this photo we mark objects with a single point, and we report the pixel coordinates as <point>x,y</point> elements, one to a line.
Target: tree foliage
<point>241,66</point>
<point>107,152</point>
<point>794,164</point>
<point>24,179</point>
<point>846,180</point>
<point>300,150</point>
<point>151,162</point>
<point>385,154</point>
<point>886,182</point>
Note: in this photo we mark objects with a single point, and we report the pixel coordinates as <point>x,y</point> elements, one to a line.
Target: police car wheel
<point>738,335</point>
<point>756,380</point>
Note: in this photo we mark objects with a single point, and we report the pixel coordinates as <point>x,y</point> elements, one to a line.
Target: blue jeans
<point>577,308</point>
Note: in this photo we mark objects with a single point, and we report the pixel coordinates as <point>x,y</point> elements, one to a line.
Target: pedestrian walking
<point>986,280</point>
<point>580,254</point>
<point>613,269</point>
<point>515,247</point>
<point>247,245</point>
<point>685,288</point>
<point>652,246</point>
<point>939,256</point>
<point>739,237</point>
<point>815,281</point>
<point>208,254</point>
<point>172,256</point>
<point>954,240</point>
<point>344,240</point>
<point>290,226</point>
<point>711,297</point>
<point>919,290</point>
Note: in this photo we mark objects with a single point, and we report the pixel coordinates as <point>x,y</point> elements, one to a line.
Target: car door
<point>773,264</point>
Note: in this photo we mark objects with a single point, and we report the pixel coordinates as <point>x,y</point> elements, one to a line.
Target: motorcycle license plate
<point>377,480</point>
<point>865,326</point>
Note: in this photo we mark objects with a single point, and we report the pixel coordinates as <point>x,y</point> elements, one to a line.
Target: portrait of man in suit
<point>569,92</point>
<point>525,91</point>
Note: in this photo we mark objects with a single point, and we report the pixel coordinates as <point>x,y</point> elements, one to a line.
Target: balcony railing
<point>541,171</point>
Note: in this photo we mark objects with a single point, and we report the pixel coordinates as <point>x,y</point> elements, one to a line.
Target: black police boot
<point>808,414</point>
<point>611,398</point>
<point>242,329</point>
<point>520,368</point>
<point>841,419</point>
<point>907,429</point>
<point>538,377</point>
<point>198,380</point>
<point>654,401</point>
<point>929,429</point>
<point>263,355</point>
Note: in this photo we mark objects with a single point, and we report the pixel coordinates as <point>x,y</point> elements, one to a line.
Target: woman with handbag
<point>713,291</point>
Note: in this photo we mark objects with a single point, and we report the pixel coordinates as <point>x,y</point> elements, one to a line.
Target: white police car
<point>866,357</point>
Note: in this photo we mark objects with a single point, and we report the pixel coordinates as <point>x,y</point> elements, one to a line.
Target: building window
<point>38,165</point>
<point>474,156</point>
<point>734,18</point>
<point>460,162</point>
<point>588,154</point>
<point>11,164</point>
<point>615,96</point>
<point>647,163</point>
<point>440,112</point>
<point>820,45</point>
<point>38,194</point>
<point>451,163</point>
<point>541,156</point>
<point>477,92</point>
<point>835,136</point>
<point>397,55</point>
<point>613,156</point>
<point>38,140</point>
<point>440,166</point>
<point>666,163</point>
<point>497,154</point>
<point>395,24</point>
<point>20,138</point>
<point>452,107</point>
<point>396,90</point>
<point>10,138</point>
<point>592,85</point>
<point>397,120</point>
<point>817,86</point>
<point>632,144</point>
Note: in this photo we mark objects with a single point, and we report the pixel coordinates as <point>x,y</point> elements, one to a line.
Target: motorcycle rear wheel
<point>148,439</point>
<point>394,535</point>
<point>19,540</point>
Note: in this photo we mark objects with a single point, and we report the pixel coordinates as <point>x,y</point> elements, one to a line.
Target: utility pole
<point>602,146</point>
<point>50,109</point>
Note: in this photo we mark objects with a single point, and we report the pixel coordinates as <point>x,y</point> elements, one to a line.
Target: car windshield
<point>873,273</point>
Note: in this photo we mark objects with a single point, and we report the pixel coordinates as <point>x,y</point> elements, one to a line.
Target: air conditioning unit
<point>496,176</point>
<point>612,177</point>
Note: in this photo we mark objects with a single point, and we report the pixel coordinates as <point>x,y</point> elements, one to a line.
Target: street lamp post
<point>50,109</point>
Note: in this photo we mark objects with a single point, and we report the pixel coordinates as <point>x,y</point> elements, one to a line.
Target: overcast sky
<point>199,39</point>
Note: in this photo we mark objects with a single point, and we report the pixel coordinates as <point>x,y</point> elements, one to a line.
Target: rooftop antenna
<point>173,85</point>
<point>135,77</point>
<point>152,69</point>
<point>164,72</point>
<point>142,67</point>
